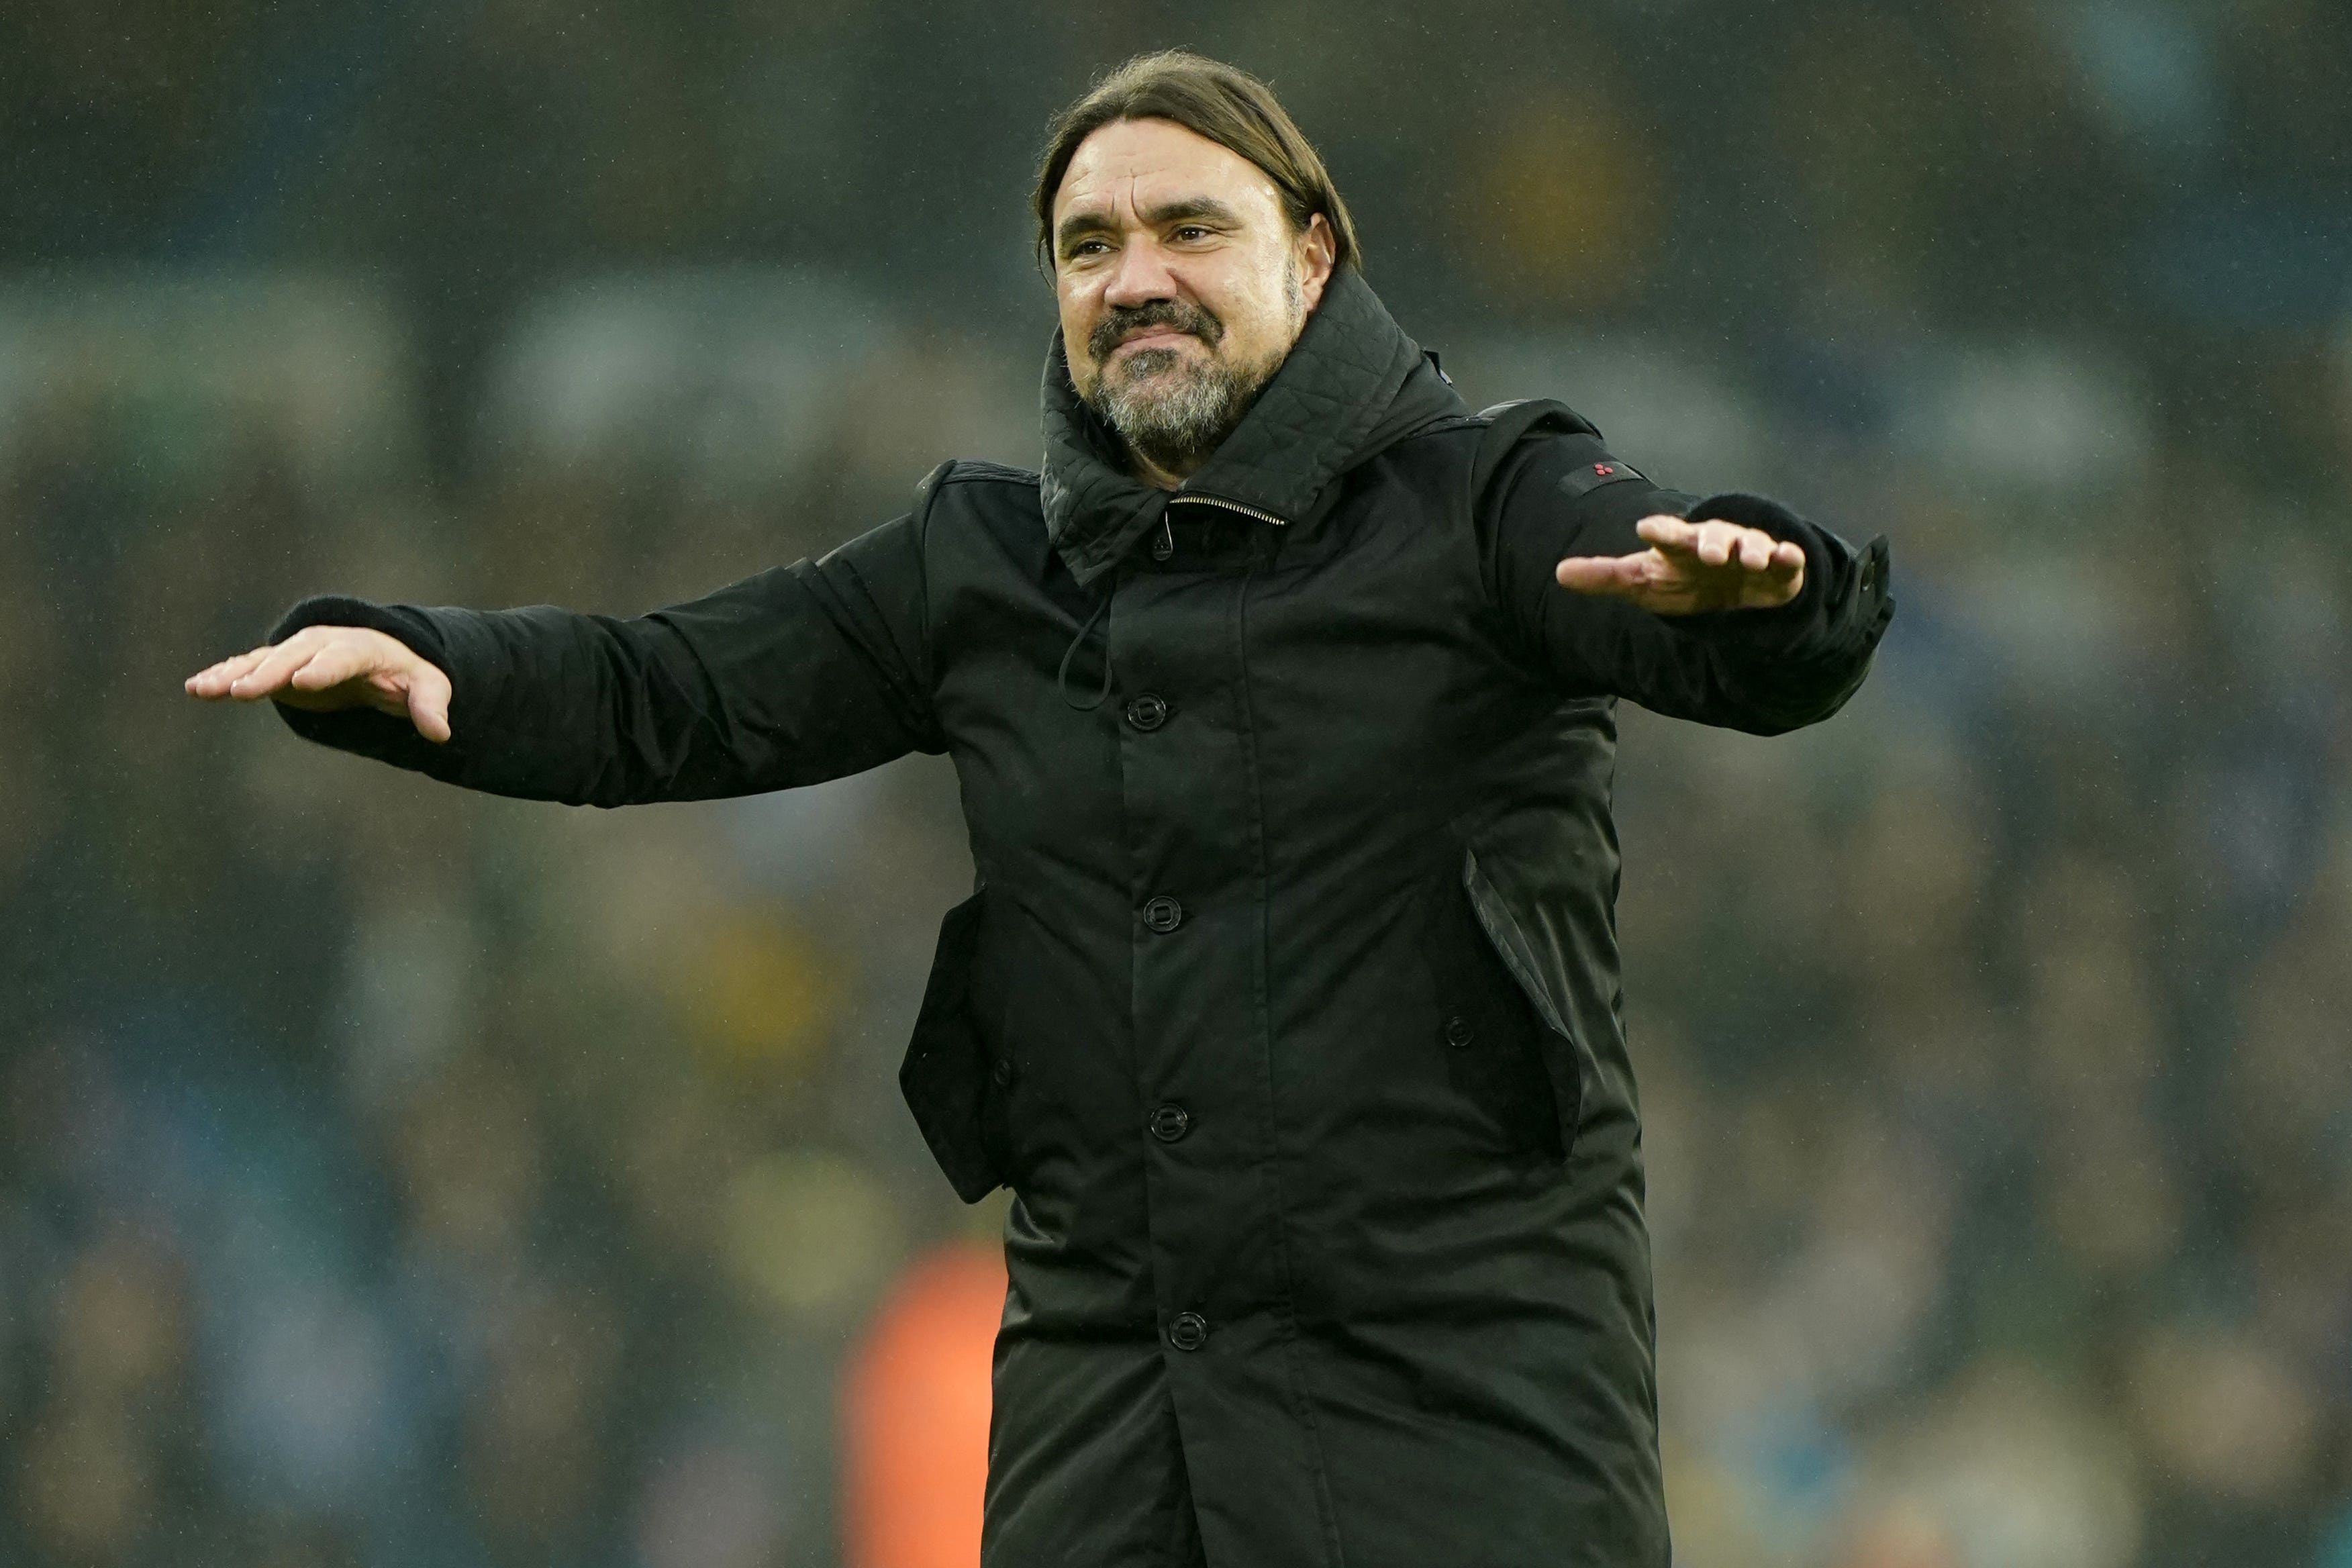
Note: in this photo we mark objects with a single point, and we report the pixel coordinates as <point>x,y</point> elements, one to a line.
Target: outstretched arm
<point>1728,610</point>
<point>798,674</point>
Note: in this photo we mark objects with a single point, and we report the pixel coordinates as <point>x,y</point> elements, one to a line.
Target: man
<point>1283,706</point>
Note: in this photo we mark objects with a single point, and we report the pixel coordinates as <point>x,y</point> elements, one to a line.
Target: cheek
<point>1079,310</point>
<point>1257,317</point>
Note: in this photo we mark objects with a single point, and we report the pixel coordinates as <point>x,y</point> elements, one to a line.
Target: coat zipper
<point>1229,506</point>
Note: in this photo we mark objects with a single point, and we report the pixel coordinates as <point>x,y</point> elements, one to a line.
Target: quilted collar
<point>1326,409</point>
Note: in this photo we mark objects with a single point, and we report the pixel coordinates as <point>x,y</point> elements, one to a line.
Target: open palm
<point>1692,567</point>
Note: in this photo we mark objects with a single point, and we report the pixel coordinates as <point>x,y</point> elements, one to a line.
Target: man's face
<point>1181,286</point>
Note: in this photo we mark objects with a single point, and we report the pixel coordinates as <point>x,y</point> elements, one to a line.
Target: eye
<point>1192,230</point>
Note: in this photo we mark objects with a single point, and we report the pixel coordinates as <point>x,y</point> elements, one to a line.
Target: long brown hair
<point>1211,99</point>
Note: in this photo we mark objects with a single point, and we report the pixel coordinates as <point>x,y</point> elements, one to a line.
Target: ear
<point>1318,248</point>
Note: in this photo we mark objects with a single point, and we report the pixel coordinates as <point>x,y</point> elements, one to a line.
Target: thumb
<point>429,704</point>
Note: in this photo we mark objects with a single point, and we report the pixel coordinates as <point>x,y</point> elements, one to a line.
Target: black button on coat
<point>1386,1304</point>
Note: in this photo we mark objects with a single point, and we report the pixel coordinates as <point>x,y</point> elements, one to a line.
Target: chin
<point>1144,365</point>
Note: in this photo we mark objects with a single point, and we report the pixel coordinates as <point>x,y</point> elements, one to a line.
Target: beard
<point>1171,410</point>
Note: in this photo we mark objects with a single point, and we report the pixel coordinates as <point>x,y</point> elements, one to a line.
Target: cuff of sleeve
<point>1803,626</point>
<point>410,626</point>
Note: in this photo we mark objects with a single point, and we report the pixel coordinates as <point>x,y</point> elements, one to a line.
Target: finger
<point>1788,568</point>
<point>213,681</point>
<point>266,674</point>
<point>269,675</point>
<point>1606,573</point>
<point>1667,532</point>
<point>1755,549</point>
<point>201,683</point>
<point>337,662</point>
<point>429,704</point>
<point>1715,541</point>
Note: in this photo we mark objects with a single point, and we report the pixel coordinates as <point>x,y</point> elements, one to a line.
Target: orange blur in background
<point>915,1406</point>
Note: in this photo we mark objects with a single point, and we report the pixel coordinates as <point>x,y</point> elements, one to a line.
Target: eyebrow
<point>1166,213</point>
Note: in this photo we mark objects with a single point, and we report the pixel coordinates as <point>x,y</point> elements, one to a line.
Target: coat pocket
<point>1549,1099</point>
<point>950,1075</point>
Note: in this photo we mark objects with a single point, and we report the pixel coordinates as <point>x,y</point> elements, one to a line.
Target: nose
<point>1140,275</point>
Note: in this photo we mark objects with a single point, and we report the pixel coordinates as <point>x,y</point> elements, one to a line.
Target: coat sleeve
<point>795,675</point>
<point>1765,671</point>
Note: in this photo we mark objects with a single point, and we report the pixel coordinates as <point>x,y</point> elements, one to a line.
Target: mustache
<point>1123,322</point>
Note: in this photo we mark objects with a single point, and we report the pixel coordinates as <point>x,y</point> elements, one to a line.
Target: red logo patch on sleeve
<point>1589,477</point>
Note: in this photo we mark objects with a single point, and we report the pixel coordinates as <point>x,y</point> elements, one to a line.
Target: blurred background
<point>392,1176</point>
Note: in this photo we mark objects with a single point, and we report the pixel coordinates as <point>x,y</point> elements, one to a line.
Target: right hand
<point>326,669</point>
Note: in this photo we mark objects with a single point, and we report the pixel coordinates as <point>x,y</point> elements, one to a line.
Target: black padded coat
<point>1286,1001</point>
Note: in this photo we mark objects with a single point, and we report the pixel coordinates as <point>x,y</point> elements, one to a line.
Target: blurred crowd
<point>393,1176</point>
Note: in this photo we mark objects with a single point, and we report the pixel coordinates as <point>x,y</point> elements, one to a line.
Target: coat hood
<point>1352,383</point>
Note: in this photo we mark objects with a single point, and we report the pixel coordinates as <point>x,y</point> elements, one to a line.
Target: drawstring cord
<point>1062,676</point>
<point>1161,549</point>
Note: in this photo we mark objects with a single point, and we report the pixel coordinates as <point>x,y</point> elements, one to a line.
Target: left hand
<point>1692,567</point>
<point>323,668</point>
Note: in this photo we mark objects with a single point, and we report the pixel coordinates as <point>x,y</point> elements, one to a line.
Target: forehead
<point>1143,162</point>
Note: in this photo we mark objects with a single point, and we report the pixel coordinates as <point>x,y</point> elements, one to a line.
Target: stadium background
<point>391,1177</point>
